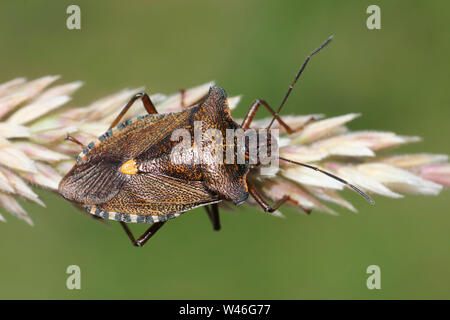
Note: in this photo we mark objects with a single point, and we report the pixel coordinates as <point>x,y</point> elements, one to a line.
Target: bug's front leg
<point>213,214</point>
<point>145,236</point>
<point>254,108</point>
<point>263,203</point>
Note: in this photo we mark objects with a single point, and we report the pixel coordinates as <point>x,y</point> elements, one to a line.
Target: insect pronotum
<point>128,175</point>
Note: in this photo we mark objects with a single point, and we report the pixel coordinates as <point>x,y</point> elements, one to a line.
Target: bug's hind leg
<point>263,203</point>
<point>145,236</point>
<point>75,140</point>
<point>182,98</point>
<point>213,214</point>
<point>254,108</point>
<point>148,105</point>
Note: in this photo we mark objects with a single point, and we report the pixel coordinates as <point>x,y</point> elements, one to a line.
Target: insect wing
<point>158,195</point>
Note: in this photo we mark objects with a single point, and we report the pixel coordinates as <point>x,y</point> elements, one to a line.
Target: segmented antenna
<point>296,78</point>
<point>332,176</point>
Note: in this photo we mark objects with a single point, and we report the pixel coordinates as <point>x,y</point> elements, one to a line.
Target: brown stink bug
<point>128,173</point>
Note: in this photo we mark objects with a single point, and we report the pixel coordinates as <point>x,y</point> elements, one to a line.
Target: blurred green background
<point>397,77</point>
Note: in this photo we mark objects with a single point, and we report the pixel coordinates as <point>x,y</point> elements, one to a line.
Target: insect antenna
<point>300,71</point>
<point>332,176</point>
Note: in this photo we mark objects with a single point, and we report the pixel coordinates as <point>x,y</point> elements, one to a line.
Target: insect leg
<point>184,104</point>
<point>182,95</point>
<point>263,203</point>
<point>145,236</point>
<point>213,214</point>
<point>148,104</point>
<point>75,140</point>
<point>254,108</point>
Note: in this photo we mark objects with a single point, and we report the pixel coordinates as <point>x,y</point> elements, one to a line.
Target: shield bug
<point>129,174</point>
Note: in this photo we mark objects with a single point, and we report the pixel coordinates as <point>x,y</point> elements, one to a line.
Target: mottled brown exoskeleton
<point>128,175</point>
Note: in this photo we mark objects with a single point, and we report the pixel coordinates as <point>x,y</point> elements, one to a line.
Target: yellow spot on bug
<point>129,167</point>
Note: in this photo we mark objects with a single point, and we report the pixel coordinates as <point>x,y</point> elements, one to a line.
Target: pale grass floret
<point>34,122</point>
